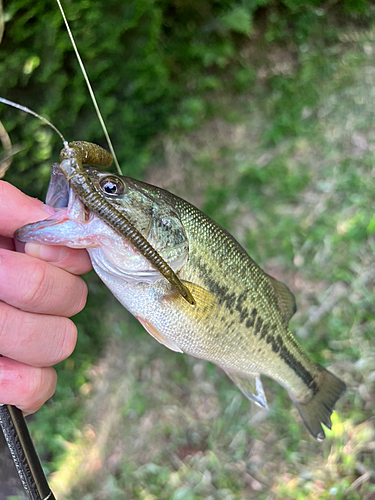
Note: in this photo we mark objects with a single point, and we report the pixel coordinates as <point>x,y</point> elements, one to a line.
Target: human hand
<point>39,291</point>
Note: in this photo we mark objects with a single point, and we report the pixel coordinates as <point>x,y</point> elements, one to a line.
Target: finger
<point>25,386</point>
<point>18,209</point>
<point>35,286</point>
<point>72,260</point>
<point>35,339</point>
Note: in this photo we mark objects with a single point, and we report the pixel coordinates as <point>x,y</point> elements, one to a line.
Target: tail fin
<point>319,409</point>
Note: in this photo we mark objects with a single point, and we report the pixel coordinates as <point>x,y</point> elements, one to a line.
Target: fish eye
<point>112,186</point>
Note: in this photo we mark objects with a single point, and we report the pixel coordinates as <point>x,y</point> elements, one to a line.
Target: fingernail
<point>45,252</point>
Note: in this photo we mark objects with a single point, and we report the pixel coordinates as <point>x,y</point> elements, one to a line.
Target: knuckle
<point>35,285</point>
<point>6,321</point>
<point>13,330</point>
<point>66,340</point>
<point>36,386</point>
<point>12,322</point>
<point>42,384</point>
<point>81,296</point>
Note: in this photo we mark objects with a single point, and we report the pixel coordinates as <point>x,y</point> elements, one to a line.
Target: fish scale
<point>240,317</point>
<point>244,284</point>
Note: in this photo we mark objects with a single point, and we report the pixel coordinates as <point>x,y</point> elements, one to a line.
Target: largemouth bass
<point>241,314</point>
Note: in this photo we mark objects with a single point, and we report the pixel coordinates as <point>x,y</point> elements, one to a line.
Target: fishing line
<point>31,112</point>
<point>91,92</point>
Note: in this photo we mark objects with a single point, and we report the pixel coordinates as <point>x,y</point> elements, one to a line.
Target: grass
<point>288,169</point>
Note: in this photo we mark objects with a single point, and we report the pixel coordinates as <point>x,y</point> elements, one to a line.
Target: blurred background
<point>262,114</point>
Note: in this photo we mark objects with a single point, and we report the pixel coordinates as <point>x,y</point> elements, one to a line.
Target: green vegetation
<point>262,114</point>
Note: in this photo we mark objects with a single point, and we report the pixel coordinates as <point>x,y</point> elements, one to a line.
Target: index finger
<point>18,209</point>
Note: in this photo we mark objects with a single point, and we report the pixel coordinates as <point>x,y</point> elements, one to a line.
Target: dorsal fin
<point>285,298</point>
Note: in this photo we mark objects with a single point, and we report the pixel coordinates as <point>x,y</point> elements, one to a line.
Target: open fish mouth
<point>63,227</point>
<point>75,226</point>
<point>61,196</point>
<point>58,189</point>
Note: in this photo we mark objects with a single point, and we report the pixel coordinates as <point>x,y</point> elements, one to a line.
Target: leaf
<point>371,226</point>
<point>239,20</point>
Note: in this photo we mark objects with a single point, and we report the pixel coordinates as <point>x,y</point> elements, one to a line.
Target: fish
<point>240,315</point>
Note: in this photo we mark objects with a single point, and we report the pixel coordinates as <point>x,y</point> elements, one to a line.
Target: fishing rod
<point>23,453</point>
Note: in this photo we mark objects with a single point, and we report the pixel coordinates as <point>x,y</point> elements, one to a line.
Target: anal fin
<point>250,385</point>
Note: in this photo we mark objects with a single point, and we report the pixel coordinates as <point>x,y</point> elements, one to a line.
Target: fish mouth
<point>61,196</point>
<point>58,188</point>
<point>69,212</point>
<point>75,226</point>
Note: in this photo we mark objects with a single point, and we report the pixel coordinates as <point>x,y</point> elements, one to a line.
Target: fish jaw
<point>71,226</point>
<point>58,193</point>
<point>74,226</point>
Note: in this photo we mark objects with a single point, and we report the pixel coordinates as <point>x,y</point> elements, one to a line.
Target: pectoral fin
<point>250,385</point>
<point>205,302</point>
<point>158,336</point>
